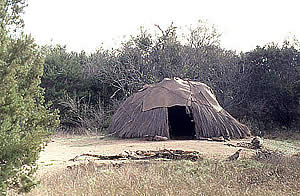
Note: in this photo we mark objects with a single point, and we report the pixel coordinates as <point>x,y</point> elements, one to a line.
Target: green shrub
<point>25,121</point>
<point>269,91</point>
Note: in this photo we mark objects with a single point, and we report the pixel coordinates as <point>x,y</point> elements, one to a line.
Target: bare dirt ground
<point>60,150</point>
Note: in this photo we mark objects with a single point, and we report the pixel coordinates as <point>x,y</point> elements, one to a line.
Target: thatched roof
<point>146,112</point>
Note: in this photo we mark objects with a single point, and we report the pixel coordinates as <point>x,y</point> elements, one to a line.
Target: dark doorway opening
<point>181,123</point>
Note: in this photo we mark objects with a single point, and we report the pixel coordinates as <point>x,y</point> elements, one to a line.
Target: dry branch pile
<point>147,155</point>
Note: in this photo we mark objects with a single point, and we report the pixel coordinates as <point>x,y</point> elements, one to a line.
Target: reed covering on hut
<point>147,112</point>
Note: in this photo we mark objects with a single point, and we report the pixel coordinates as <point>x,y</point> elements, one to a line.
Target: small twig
<point>232,145</point>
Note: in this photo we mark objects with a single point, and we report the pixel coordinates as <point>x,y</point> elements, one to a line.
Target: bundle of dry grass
<point>147,113</point>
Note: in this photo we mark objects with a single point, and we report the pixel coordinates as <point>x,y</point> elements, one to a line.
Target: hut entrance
<point>181,124</point>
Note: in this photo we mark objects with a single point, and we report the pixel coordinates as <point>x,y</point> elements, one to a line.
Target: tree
<point>270,87</point>
<point>203,35</point>
<point>147,58</point>
<point>63,74</point>
<point>25,121</point>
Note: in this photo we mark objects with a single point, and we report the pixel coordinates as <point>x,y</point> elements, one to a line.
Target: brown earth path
<point>60,150</point>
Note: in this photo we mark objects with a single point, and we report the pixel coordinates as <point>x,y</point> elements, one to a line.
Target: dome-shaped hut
<point>175,108</point>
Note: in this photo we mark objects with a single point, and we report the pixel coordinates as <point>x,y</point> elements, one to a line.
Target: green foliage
<point>63,74</point>
<point>260,86</point>
<point>24,119</point>
<point>270,85</point>
<point>10,15</point>
<point>69,86</point>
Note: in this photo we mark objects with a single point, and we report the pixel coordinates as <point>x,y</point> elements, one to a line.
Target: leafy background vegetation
<point>260,87</point>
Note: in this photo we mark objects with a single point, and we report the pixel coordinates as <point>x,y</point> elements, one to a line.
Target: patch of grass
<point>289,147</point>
<point>286,142</point>
<point>275,175</point>
<point>206,177</point>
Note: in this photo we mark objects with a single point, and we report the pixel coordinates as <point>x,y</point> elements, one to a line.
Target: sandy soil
<point>60,150</point>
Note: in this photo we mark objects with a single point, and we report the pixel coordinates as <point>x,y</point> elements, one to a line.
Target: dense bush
<point>261,85</point>
<point>24,118</point>
<point>269,89</point>
<point>71,88</point>
<point>63,74</point>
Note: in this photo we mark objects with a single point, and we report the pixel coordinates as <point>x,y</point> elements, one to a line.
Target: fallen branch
<point>147,155</point>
